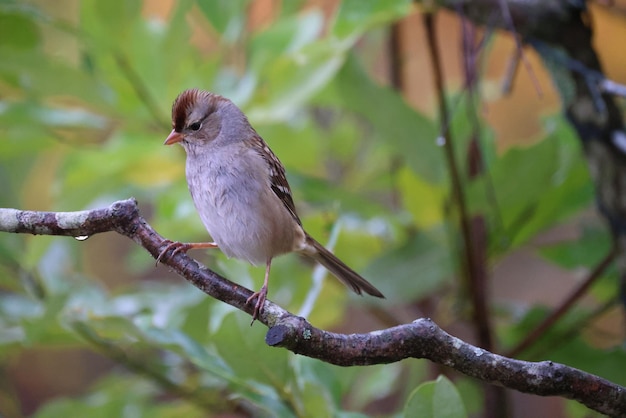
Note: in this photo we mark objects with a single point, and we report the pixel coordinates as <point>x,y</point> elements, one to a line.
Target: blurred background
<point>343,92</point>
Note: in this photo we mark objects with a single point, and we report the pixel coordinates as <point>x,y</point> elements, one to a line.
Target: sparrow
<point>241,193</point>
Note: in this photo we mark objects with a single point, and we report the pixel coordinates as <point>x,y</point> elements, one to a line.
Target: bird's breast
<point>239,210</point>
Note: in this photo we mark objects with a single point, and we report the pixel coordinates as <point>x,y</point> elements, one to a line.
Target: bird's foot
<point>177,246</point>
<point>261,295</point>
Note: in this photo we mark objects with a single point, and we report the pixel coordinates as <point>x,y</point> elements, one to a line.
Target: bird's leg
<point>261,294</point>
<point>177,247</point>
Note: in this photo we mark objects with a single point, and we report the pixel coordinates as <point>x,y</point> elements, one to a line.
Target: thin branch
<point>511,71</point>
<point>506,14</point>
<point>573,330</point>
<point>579,292</point>
<point>420,339</point>
<point>448,146</point>
<point>396,57</point>
<point>471,264</point>
<point>495,403</point>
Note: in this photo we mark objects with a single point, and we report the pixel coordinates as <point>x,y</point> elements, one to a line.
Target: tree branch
<point>420,339</point>
<point>557,313</point>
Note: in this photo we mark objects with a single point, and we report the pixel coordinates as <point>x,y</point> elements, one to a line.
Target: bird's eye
<point>195,126</point>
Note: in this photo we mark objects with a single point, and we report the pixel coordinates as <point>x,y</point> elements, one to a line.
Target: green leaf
<point>116,395</point>
<point>288,8</point>
<point>356,16</point>
<point>113,328</point>
<point>534,186</point>
<point>316,402</point>
<point>435,399</point>
<point>190,349</point>
<point>408,133</point>
<point>226,16</point>
<point>424,200</point>
<point>287,36</point>
<point>324,193</point>
<point>586,250</point>
<point>46,329</point>
<point>375,383</point>
<point>15,310</point>
<point>260,374</point>
<point>415,268</point>
<point>42,76</point>
<point>18,31</point>
<point>447,402</point>
<point>335,380</point>
<point>292,79</point>
<point>110,23</point>
<point>420,402</point>
<point>471,392</point>
<point>120,13</point>
<point>242,347</point>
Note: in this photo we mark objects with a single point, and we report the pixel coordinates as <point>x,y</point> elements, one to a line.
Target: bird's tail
<point>339,269</point>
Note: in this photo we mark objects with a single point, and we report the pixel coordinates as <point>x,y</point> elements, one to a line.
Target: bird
<point>240,191</point>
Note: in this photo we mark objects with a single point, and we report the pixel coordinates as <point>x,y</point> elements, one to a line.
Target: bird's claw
<point>176,246</point>
<point>261,295</point>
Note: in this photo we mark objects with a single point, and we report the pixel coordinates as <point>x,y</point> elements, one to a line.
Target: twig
<point>395,57</point>
<point>448,146</point>
<point>574,329</point>
<point>564,307</point>
<point>495,404</point>
<point>506,14</point>
<point>511,71</point>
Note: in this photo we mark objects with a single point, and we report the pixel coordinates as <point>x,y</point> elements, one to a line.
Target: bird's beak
<point>173,138</point>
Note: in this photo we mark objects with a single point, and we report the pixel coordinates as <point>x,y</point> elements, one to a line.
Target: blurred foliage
<point>437,399</point>
<point>84,107</point>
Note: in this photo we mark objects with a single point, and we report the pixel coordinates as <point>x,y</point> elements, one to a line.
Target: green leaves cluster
<point>84,108</point>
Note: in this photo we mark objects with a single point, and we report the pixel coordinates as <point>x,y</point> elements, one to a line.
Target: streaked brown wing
<point>279,180</point>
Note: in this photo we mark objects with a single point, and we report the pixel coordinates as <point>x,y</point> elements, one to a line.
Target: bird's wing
<point>278,181</point>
